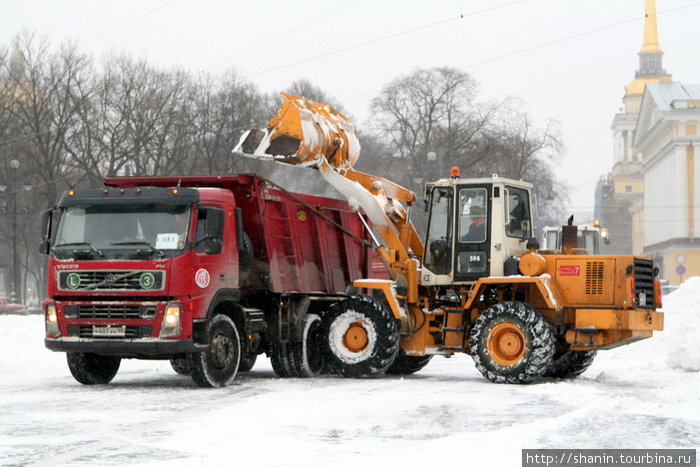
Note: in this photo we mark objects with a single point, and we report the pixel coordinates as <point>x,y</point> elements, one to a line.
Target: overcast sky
<point>566,59</point>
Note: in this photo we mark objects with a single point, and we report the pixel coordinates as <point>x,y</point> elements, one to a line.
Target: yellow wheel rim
<point>506,344</point>
<point>355,338</point>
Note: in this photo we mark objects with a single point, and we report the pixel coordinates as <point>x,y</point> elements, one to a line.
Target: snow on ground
<point>645,395</point>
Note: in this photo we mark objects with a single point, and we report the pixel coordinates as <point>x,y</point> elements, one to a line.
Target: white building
<point>668,138</point>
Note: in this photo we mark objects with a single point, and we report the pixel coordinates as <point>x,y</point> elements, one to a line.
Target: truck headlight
<point>171,321</point>
<point>51,319</point>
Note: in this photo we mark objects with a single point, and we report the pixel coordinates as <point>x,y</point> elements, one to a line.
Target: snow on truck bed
<point>645,395</point>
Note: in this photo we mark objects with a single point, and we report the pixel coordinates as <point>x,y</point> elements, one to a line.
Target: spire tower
<point>650,66</point>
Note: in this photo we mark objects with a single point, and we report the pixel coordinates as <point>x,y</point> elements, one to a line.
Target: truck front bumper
<point>127,348</point>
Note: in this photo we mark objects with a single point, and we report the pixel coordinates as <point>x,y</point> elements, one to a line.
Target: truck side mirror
<point>46,221</point>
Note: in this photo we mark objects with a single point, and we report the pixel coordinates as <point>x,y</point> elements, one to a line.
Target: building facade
<point>668,136</point>
<point>650,202</point>
<point>622,189</point>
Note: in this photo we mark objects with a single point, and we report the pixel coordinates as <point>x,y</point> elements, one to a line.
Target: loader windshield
<point>438,255</point>
<point>118,231</point>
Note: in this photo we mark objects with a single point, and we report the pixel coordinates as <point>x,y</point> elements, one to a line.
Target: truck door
<point>473,235</point>
<point>210,248</point>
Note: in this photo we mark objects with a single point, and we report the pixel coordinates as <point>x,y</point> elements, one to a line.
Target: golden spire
<point>651,36</point>
<point>650,66</point>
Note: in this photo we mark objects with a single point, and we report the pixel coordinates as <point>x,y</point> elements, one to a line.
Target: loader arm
<point>308,134</point>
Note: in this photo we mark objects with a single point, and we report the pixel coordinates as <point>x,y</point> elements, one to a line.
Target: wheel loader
<point>477,284</point>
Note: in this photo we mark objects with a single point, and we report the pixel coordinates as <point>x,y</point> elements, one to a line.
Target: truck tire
<point>217,366</point>
<point>569,364</point>
<point>407,364</point>
<point>248,362</point>
<point>305,357</point>
<point>279,358</point>
<point>181,366</point>
<point>511,342</point>
<point>90,368</point>
<point>358,337</point>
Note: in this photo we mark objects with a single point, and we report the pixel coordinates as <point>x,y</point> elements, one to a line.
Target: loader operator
<point>477,228</point>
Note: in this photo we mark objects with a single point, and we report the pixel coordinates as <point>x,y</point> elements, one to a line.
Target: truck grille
<point>644,282</point>
<point>594,278</point>
<point>132,281</point>
<point>131,332</point>
<point>114,311</point>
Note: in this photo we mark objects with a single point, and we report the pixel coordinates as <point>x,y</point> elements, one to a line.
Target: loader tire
<point>305,357</point>
<point>247,363</point>
<point>279,358</point>
<point>90,368</point>
<point>407,364</point>
<point>569,364</point>
<point>181,366</point>
<point>359,337</point>
<point>217,366</point>
<point>511,342</point>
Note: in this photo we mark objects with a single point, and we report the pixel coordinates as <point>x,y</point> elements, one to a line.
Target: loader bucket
<point>303,132</point>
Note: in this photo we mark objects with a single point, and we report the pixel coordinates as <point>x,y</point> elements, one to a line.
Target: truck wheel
<point>181,366</point>
<point>279,358</point>
<point>305,356</point>
<point>358,337</point>
<point>568,364</point>
<point>217,366</point>
<point>89,368</point>
<point>407,364</point>
<point>511,342</point>
<point>248,362</point>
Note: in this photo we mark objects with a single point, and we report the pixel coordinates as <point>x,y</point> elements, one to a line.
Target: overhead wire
<point>288,31</point>
<point>133,20</point>
<point>459,16</point>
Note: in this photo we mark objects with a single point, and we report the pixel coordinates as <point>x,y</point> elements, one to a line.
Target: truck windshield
<point>103,231</point>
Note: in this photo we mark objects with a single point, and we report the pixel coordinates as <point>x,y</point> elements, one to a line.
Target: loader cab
<point>474,226</point>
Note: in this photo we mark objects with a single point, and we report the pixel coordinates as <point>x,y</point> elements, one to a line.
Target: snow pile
<point>681,324</point>
<point>677,347</point>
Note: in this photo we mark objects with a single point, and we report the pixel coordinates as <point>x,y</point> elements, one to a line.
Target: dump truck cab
<point>474,226</point>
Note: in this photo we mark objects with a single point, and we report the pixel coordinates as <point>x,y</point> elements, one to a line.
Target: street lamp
<point>14,165</point>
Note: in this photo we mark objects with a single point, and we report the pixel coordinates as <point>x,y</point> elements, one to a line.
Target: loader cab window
<point>472,215</point>
<point>438,254</point>
<point>518,217</point>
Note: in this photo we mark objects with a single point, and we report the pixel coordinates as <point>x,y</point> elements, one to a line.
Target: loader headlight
<point>171,321</point>
<point>51,318</point>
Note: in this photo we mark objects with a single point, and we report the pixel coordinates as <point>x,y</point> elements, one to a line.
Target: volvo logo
<point>109,280</point>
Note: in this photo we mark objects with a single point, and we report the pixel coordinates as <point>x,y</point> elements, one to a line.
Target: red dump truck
<point>207,271</point>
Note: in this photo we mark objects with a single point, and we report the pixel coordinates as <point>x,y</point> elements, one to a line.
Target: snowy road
<point>646,395</point>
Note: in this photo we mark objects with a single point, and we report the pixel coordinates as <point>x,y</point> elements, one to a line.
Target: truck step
<point>459,330</point>
<point>450,349</point>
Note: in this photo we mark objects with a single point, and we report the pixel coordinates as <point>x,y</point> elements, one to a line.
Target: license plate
<point>109,331</point>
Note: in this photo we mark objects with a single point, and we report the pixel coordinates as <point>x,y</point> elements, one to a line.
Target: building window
<point>628,188</point>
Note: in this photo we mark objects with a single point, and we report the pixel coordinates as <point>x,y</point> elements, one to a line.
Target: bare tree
<point>223,109</point>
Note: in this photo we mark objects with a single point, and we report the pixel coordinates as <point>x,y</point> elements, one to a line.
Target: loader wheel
<point>569,364</point>
<point>181,366</point>
<point>305,357</point>
<point>279,358</point>
<point>407,364</point>
<point>89,368</point>
<point>248,362</point>
<point>217,365</point>
<point>359,337</point>
<point>511,342</point>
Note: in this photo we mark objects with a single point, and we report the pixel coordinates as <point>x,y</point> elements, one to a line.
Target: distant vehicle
<point>666,288</point>
<point>589,237</point>
<point>7,307</point>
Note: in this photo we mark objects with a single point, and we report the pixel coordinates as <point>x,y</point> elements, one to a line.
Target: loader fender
<point>389,289</point>
<point>542,292</point>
